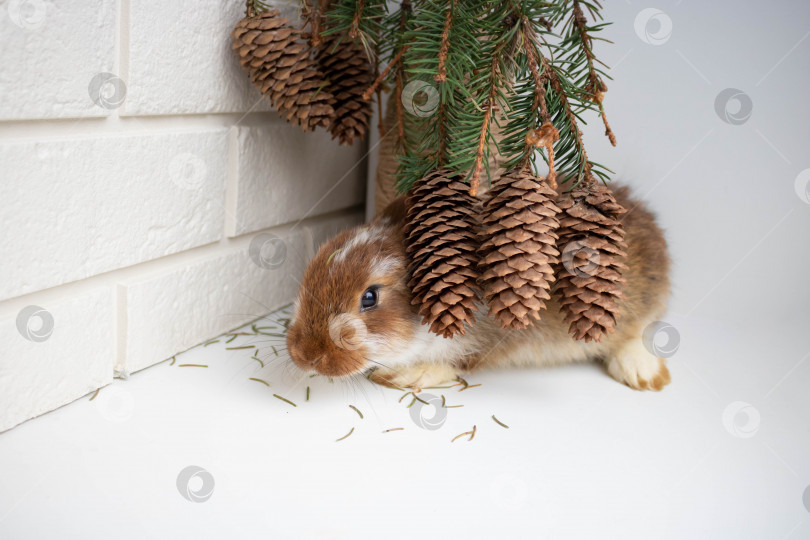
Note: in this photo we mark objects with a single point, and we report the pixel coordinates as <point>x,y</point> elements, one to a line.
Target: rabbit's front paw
<point>633,365</point>
<point>417,377</point>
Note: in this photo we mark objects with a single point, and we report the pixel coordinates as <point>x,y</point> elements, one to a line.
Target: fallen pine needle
<point>307,394</point>
<point>285,399</point>
<point>232,338</point>
<point>420,399</point>
<point>499,422</point>
<point>95,394</point>
<point>191,365</point>
<point>349,433</point>
<point>211,343</point>
<point>357,411</point>
<point>470,433</point>
<point>274,350</point>
<point>403,397</point>
<point>393,429</point>
<point>469,386</point>
<point>242,347</point>
<point>412,402</point>
<point>259,361</point>
<point>173,360</point>
<point>260,380</point>
<point>452,406</point>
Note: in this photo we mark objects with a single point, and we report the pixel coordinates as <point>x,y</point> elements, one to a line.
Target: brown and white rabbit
<point>353,315</point>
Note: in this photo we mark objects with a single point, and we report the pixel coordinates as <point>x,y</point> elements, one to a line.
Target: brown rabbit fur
<point>333,336</point>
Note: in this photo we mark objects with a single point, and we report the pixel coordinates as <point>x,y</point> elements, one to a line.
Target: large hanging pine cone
<point>592,253</point>
<point>278,61</point>
<point>346,66</point>
<point>441,242</point>
<point>518,253</point>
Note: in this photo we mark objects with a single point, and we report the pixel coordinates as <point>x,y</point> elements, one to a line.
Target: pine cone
<point>441,243</point>
<point>278,61</point>
<point>346,66</point>
<point>592,253</point>
<point>518,253</point>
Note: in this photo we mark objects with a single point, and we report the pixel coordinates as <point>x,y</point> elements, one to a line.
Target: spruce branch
<point>579,60</point>
<point>357,20</point>
<point>382,76</point>
<point>441,74</point>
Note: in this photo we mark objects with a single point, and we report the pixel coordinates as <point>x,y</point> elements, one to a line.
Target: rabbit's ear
<point>395,211</point>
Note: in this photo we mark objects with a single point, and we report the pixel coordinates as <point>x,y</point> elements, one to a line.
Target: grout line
<point>123,48</point>
<point>232,184</point>
<point>121,322</point>
<point>154,267</point>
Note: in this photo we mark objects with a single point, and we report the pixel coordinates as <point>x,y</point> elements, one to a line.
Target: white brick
<point>188,305</point>
<point>284,175</point>
<point>50,52</point>
<point>181,59</point>
<point>73,208</point>
<point>77,358</point>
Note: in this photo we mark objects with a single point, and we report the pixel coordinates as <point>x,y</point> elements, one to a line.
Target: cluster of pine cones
<point>513,248</point>
<point>310,87</point>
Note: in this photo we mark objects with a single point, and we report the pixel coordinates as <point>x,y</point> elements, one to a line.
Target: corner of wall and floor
<point>150,198</point>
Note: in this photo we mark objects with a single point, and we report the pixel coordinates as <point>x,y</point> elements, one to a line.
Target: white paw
<point>418,376</point>
<point>635,366</point>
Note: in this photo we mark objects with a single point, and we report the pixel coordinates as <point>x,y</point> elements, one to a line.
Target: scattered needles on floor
<point>95,394</point>
<point>356,410</point>
<point>349,433</point>
<point>417,398</point>
<point>261,381</point>
<point>499,422</point>
<point>191,365</point>
<point>285,399</point>
<point>471,433</point>
<point>393,429</point>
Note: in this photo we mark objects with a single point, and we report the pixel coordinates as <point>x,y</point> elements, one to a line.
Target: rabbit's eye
<point>369,298</point>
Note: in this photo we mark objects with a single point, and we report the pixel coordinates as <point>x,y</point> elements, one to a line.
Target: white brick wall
<point>129,220</point>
